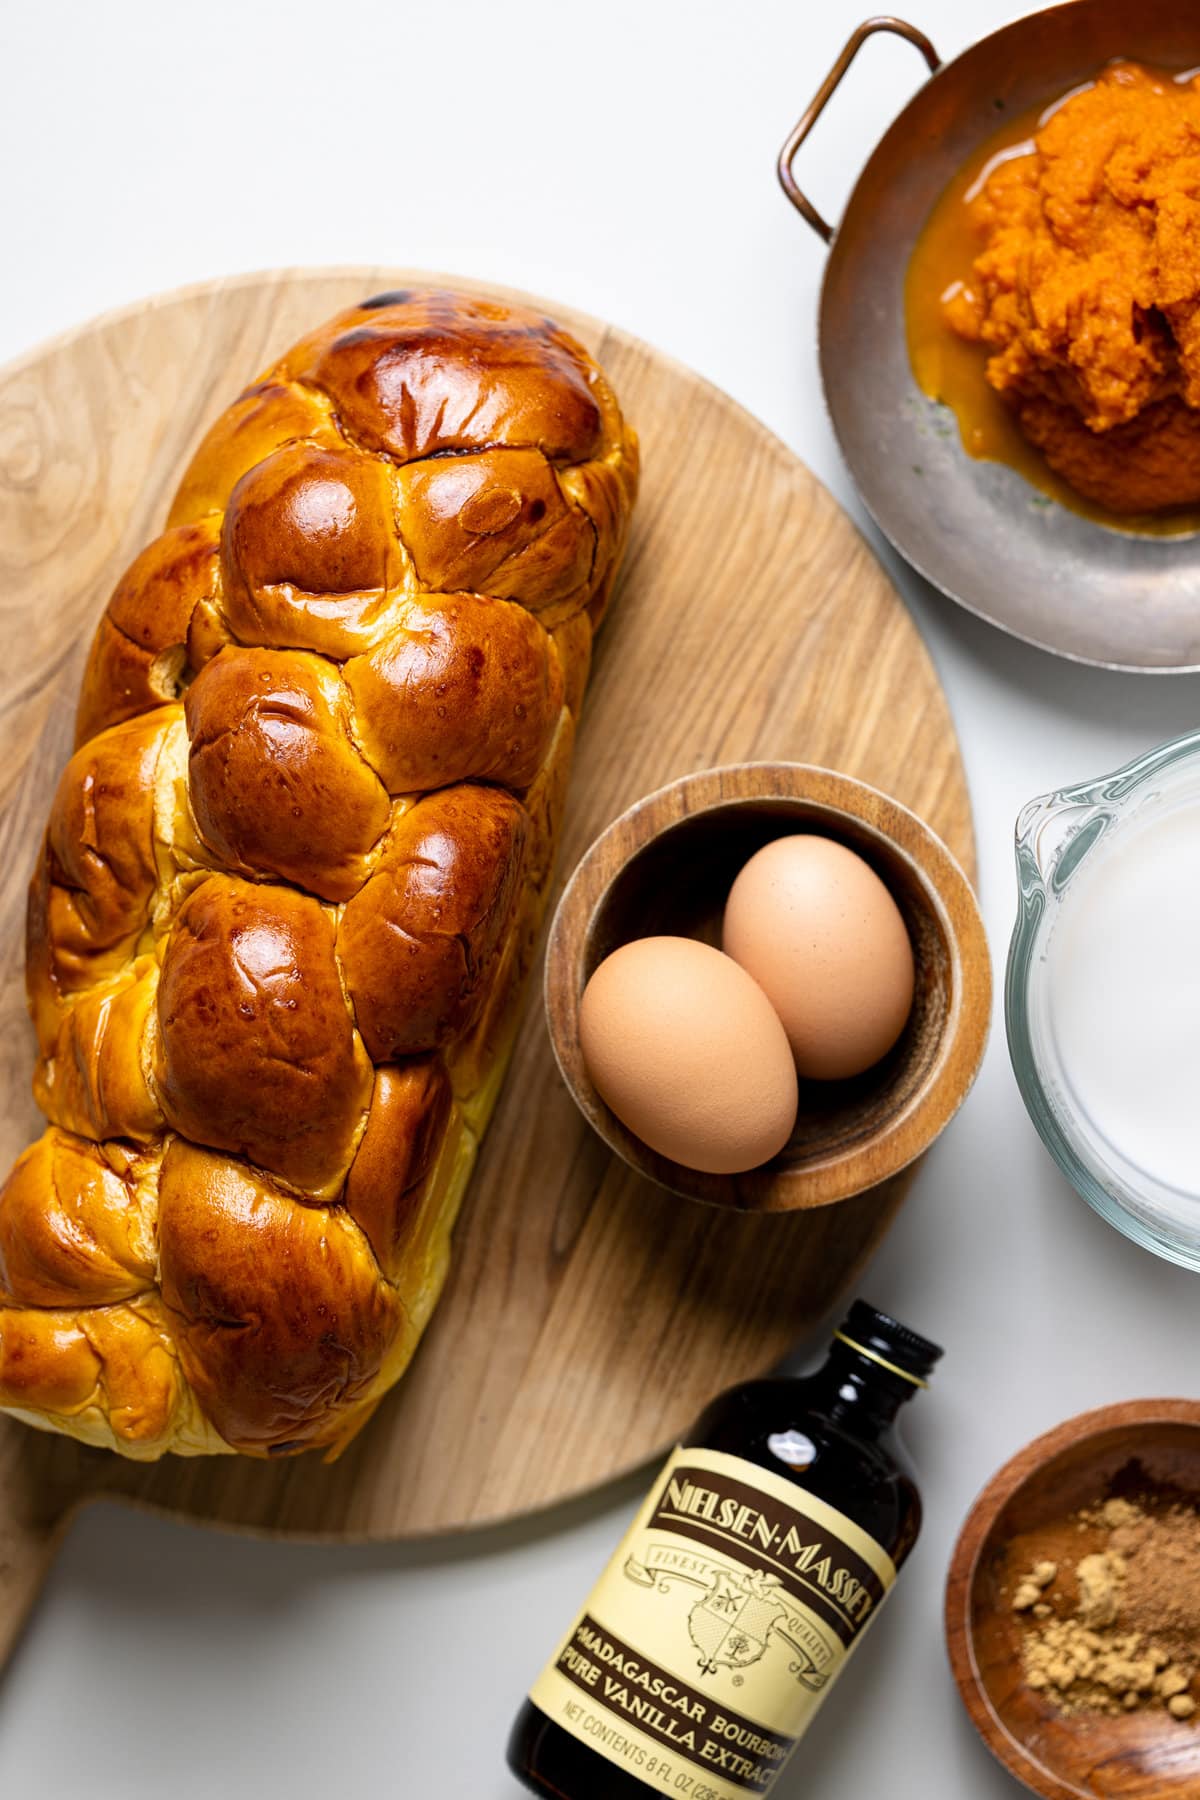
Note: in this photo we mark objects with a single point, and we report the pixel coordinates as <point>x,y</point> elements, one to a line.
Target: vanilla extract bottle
<point>764,1550</point>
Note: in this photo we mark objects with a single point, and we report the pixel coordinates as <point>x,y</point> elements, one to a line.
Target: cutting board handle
<point>29,1536</point>
<point>25,1557</point>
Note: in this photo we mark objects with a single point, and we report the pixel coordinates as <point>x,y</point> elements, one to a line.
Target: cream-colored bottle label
<point>714,1633</point>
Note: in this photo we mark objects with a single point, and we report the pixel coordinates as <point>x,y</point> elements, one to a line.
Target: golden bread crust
<point>293,875</point>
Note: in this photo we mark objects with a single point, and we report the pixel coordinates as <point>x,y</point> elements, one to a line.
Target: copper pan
<point>976,530</point>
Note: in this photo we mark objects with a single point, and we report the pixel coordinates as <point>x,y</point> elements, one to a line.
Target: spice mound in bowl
<point>1073,1607</point>
<point>1114,1626</point>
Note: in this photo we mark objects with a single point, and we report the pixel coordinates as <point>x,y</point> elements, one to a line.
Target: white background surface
<point>619,158</point>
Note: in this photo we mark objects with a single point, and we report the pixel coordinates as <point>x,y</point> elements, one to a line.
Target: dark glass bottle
<point>768,1543</point>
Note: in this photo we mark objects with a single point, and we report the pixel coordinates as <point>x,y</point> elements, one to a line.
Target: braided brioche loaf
<point>293,876</point>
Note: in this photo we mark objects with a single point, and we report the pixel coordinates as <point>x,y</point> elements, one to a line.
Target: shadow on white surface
<point>171,1645</point>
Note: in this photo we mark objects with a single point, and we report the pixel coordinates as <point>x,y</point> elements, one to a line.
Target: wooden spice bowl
<point>1143,1447</point>
<point>666,867</point>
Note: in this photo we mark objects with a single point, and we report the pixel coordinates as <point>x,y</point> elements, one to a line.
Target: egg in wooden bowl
<point>661,1069</point>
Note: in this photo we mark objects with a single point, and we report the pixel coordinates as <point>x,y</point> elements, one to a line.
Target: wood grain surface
<point>1138,1448</point>
<point>588,1314</point>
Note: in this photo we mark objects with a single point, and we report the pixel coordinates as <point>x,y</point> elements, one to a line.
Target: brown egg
<point>688,1052</point>
<point>824,939</point>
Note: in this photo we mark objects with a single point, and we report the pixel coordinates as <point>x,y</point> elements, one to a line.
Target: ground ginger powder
<point>1086,291</point>
<point>1119,1629</point>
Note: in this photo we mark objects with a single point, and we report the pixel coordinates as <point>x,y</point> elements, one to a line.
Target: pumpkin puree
<point>1087,290</point>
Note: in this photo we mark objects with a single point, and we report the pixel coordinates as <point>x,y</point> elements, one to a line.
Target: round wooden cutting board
<point>588,1314</point>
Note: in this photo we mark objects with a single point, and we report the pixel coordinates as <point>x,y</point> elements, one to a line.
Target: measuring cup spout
<point>1044,826</point>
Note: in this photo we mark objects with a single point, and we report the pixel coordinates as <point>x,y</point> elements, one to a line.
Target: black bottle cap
<point>883,1340</point>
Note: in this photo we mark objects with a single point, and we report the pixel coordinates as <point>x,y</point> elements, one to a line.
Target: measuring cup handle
<point>816,107</point>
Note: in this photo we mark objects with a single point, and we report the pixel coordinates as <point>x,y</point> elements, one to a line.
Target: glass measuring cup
<point>1069,845</point>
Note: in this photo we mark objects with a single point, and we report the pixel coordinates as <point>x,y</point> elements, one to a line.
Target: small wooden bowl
<point>1141,1447</point>
<point>666,867</point>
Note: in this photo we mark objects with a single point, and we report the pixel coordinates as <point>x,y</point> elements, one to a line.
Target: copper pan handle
<point>817,104</point>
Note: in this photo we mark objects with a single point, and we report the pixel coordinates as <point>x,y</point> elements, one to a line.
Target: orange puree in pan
<point>1053,299</point>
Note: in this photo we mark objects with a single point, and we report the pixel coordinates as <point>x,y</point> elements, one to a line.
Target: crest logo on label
<point>731,1623</point>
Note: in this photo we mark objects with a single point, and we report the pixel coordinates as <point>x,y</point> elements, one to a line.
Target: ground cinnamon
<point>1161,1592</point>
